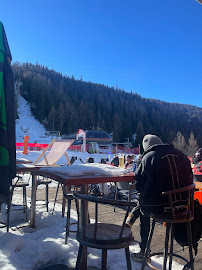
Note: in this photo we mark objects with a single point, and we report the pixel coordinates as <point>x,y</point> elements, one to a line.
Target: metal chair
<point>179,210</point>
<point>69,197</point>
<point>19,183</point>
<point>45,182</point>
<point>5,199</point>
<point>102,236</point>
<point>125,190</point>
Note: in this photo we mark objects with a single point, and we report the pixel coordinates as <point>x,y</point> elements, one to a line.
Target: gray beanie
<point>150,140</point>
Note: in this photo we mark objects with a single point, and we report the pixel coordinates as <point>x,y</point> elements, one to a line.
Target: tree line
<point>66,105</point>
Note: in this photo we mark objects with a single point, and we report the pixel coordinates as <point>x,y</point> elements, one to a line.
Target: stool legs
<point>165,256</point>
<point>47,197</point>
<point>25,202</point>
<point>169,234</point>
<point>8,213</point>
<point>147,250</point>
<point>171,248</point>
<point>189,238</point>
<point>68,219</point>
<point>128,261</point>
<point>79,257</point>
<point>104,259</point>
<point>56,197</point>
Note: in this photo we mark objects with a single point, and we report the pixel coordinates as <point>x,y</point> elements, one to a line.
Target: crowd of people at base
<point>197,157</point>
<point>130,163</point>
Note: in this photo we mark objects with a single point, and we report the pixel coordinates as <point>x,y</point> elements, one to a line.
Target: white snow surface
<point>32,248</point>
<point>88,169</point>
<point>28,124</point>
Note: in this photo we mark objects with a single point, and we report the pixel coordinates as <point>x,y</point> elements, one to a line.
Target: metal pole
<point>33,201</point>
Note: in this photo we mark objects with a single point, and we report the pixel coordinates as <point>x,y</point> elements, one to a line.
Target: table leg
<point>33,202</point>
<point>84,189</point>
<point>64,201</point>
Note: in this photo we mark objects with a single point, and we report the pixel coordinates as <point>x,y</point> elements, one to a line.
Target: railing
<point>77,148</point>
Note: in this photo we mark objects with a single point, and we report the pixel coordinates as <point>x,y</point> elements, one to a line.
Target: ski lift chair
<point>179,210</point>
<point>125,190</point>
<point>57,148</point>
<point>99,235</point>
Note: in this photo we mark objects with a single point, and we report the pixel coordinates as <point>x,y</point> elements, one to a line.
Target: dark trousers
<point>144,225</point>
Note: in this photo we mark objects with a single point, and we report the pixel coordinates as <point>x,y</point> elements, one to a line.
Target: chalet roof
<point>97,134</point>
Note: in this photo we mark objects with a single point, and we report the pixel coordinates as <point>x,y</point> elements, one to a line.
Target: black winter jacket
<point>163,168</point>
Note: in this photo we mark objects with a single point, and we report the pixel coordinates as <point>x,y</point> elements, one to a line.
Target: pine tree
<point>192,145</point>
<point>180,143</point>
<point>139,133</point>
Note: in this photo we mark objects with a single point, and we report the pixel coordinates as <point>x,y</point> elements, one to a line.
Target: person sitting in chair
<point>115,161</point>
<point>130,165</point>
<point>162,168</point>
<point>198,156</point>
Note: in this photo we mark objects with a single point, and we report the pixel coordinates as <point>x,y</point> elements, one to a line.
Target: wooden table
<point>23,168</point>
<point>22,160</point>
<point>66,180</point>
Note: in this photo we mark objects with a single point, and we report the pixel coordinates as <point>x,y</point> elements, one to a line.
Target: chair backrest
<point>58,149</point>
<point>123,185</point>
<point>181,204</point>
<point>104,160</point>
<point>72,160</point>
<point>97,200</point>
<point>90,160</point>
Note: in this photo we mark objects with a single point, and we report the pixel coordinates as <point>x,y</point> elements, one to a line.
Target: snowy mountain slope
<point>27,124</point>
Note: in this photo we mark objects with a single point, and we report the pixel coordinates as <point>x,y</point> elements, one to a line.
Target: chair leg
<point>79,257</point>
<point>55,198</point>
<point>47,197</point>
<point>68,220</point>
<point>115,196</point>
<point>104,259</point>
<point>171,247</point>
<point>189,238</point>
<point>147,250</point>
<point>168,225</point>
<point>128,261</point>
<point>25,202</point>
<point>8,212</point>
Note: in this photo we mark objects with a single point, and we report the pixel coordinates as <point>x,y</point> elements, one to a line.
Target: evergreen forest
<point>66,105</point>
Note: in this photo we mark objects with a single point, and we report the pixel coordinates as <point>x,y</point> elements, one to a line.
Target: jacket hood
<point>150,140</point>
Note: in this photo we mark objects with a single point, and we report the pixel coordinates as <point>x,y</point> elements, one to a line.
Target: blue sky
<point>153,48</point>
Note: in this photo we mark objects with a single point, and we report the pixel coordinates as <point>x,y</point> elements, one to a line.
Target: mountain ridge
<point>70,104</point>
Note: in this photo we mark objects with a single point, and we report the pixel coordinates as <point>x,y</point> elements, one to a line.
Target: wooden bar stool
<point>45,182</point>
<point>68,197</point>
<point>20,184</point>
<point>99,235</point>
<point>17,182</point>
<point>180,210</point>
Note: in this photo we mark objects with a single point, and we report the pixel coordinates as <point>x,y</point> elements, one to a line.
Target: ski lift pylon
<point>44,122</point>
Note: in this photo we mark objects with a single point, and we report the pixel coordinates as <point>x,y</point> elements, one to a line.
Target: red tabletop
<point>82,180</point>
<point>67,180</point>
